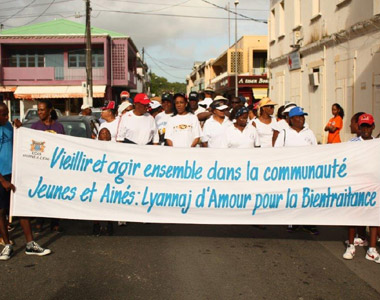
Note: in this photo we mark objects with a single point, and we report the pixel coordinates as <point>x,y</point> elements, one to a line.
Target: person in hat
<point>155,108</point>
<point>215,127</point>
<point>86,110</point>
<point>366,124</point>
<point>193,102</point>
<point>236,103</point>
<point>294,136</point>
<point>163,117</point>
<point>6,186</point>
<point>265,122</point>
<point>138,126</point>
<point>335,124</point>
<point>209,96</point>
<point>183,128</point>
<point>111,121</point>
<point>125,96</point>
<point>354,127</point>
<point>124,107</point>
<point>242,134</point>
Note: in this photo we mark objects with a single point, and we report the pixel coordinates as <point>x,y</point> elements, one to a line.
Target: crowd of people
<point>196,120</point>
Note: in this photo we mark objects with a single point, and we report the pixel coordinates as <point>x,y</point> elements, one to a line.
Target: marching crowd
<point>196,120</point>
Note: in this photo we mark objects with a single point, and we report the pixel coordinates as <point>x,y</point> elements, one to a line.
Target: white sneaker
<point>350,252</point>
<point>373,255</point>
<point>359,242</point>
<point>35,249</point>
<point>6,253</point>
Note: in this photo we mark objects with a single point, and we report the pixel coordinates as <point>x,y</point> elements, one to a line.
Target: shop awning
<point>61,91</point>
<point>7,89</point>
<point>260,93</point>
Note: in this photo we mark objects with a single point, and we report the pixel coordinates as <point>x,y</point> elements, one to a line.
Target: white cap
<point>85,106</point>
<point>155,104</point>
<point>123,106</point>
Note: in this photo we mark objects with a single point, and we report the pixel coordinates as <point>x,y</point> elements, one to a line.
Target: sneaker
<point>35,249</point>
<point>373,255</point>
<point>350,252</point>
<point>6,253</point>
<point>359,242</point>
<point>310,229</point>
<point>96,229</point>
<point>292,228</point>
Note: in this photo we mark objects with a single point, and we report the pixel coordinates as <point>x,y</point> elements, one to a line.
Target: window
<point>297,13</point>
<point>272,25</point>
<point>376,7</point>
<point>259,63</point>
<point>315,9</point>
<point>281,29</point>
<point>77,59</point>
<point>26,59</point>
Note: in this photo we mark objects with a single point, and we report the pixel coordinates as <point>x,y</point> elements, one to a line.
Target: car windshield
<point>31,114</point>
<point>72,128</point>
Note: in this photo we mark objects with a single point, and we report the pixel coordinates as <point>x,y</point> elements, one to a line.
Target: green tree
<point>160,85</point>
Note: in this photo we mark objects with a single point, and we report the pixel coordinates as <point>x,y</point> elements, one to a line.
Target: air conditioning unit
<point>314,79</point>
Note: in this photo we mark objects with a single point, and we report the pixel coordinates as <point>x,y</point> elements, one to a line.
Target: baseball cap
<point>193,96</point>
<point>123,106</point>
<point>366,119</point>
<point>142,98</point>
<point>219,105</point>
<point>297,111</point>
<point>154,104</point>
<point>266,102</point>
<point>167,97</point>
<point>109,105</point>
<point>85,106</point>
<point>124,94</point>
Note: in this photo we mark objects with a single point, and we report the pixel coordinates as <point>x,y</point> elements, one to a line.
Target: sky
<point>174,33</point>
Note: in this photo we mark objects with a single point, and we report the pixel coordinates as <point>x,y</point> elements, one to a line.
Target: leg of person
<point>350,250</point>
<point>372,253</point>
<point>7,252</point>
<point>54,225</point>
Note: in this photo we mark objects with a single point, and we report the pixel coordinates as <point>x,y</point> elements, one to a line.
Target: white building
<point>326,51</point>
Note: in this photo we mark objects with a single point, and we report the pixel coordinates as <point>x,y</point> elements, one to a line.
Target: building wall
<point>340,46</point>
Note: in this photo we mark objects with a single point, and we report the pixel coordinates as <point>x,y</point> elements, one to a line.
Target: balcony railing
<point>219,77</point>
<point>259,71</point>
<point>13,74</point>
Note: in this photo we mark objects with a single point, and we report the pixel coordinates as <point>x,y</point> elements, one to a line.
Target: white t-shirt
<point>112,127</point>
<point>138,129</point>
<point>214,132</point>
<point>161,121</point>
<point>248,138</point>
<point>280,125</point>
<point>199,110</point>
<point>291,138</point>
<point>182,130</point>
<point>265,132</point>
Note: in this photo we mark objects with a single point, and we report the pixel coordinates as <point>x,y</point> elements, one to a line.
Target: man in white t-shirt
<point>137,126</point>
<point>215,127</point>
<point>163,117</point>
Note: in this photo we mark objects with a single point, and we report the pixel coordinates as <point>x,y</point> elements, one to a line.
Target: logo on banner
<point>37,148</point>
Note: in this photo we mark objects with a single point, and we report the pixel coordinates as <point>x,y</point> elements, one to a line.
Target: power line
<point>238,14</point>
<point>161,62</point>
<point>158,66</point>
<point>35,5</point>
<point>41,14</point>
<point>169,15</point>
<point>10,17</point>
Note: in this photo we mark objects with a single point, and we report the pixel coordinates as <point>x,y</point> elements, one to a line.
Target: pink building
<point>48,61</point>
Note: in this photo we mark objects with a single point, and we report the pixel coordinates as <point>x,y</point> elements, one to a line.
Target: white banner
<point>64,177</point>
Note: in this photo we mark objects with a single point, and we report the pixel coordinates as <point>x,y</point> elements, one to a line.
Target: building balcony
<point>12,75</point>
<point>259,71</point>
<point>219,77</point>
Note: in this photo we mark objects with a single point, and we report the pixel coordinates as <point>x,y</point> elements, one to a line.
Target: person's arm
<point>274,136</point>
<point>195,142</point>
<point>253,124</point>
<point>203,116</point>
<point>6,184</point>
<point>280,141</point>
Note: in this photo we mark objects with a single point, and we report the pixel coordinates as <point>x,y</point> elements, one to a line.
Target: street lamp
<point>236,58</point>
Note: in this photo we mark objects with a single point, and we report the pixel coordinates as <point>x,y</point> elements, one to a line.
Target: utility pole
<point>236,58</point>
<point>89,89</point>
<point>145,88</point>
<point>229,25</point>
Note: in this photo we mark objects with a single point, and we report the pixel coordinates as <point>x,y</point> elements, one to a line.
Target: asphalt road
<point>168,261</point>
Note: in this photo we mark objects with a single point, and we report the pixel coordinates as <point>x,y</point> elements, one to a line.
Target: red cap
<point>109,105</point>
<point>142,98</point>
<point>366,119</point>
<point>124,94</point>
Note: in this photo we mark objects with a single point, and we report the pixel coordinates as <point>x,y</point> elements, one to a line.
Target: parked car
<point>79,126</point>
<point>32,113</point>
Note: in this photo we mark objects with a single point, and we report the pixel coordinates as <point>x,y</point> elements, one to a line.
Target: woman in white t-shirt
<point>182,129</point>
<point>242,134</point>
<point>265,122</point>
<point>111,121</point>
